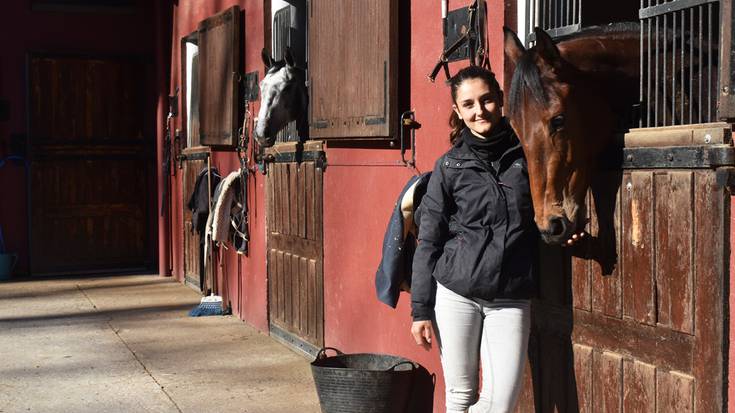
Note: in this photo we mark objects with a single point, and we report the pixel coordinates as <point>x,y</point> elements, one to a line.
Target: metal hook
<point>408,121</point>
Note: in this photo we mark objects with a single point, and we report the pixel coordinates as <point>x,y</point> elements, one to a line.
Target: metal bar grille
<point>557,17</point>
<point>679,61</point>
<point>726,99</point>
<point>281,40</point>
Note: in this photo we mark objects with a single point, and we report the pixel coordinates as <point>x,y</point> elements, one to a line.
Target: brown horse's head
<point>564,120</point>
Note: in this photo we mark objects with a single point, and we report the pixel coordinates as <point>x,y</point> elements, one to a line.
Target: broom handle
<point>209,208</point>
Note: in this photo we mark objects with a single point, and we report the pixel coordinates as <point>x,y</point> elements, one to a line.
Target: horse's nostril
<point>556,226</point>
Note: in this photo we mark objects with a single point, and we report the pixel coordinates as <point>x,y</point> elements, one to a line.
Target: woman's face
<point>478,105</point>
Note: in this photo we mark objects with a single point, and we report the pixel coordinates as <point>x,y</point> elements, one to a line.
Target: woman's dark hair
<point>469,72</point>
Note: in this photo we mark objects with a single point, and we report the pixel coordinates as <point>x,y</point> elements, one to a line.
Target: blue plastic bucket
<point>7,263</point>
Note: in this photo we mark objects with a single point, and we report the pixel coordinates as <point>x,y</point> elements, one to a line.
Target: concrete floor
<point>126,344</point>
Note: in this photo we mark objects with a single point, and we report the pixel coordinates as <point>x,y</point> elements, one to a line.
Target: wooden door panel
<point>295,252</point>
<point>91,166</point>
<point>192,244</point>
<point>648,332</point>
<point>369,73</point>
<point>638,216</point>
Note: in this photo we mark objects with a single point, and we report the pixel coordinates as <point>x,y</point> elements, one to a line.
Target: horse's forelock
<point>526,82</point>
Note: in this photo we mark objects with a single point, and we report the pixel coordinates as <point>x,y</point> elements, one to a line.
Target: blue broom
<point>210,305</point>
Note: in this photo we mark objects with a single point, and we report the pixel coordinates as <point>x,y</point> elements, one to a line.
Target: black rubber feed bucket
<point>362,383</point>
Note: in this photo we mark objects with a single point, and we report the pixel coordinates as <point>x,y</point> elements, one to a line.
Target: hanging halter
<point>475,37</point>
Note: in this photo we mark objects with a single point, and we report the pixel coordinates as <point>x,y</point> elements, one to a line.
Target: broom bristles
<point>210,305</point>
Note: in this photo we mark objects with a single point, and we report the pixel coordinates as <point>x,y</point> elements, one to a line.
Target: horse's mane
<point>612,30</point>
<point>526,77</point>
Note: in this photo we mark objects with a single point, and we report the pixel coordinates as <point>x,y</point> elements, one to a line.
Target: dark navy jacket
<point>395,265</point>
<point>477,236</point>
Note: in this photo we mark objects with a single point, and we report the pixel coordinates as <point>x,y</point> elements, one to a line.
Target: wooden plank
<point>680,259</point>
<point>639,291</point>
<point>283,199</point>
<point>274,176</point>
<point>675,392</point>
<point>639,387</point>
<point>296,245</point>
<point>662,189</point>
<point>301,200</point>
<point>581,387</point>
<point>674,251</point>
<point>318,203</point>
<point>680,135</point>
<point>285,194</point>
<point>295,296</point>
<point>607,389</point>
<point>605,225</point>
<point>309,204</point>
<point>287,306</point>
<point>303,297</point>
<point>278,195</point>
<point>296,293</point>
<point>293,199</point>
<point>272,285</point>
<point>269,200</point>
<point>313,299</point>
<point>712,231</point>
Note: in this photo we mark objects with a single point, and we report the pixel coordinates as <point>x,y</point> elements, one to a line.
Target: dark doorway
<point>91,200</point>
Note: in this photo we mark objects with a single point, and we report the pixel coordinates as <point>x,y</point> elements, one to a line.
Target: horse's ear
<point>267,60</point>
<point>513,47</point>
<point>546,47</point>
<point>288,57</point>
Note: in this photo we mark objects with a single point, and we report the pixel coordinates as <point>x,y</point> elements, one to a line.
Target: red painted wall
<point>242,279</point>
<point>87,33</point>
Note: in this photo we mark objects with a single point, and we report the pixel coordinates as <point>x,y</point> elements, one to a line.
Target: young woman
<point>474,267</point>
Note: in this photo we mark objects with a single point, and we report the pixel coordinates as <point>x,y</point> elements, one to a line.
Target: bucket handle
<point>323,352</point>
<point>413,366</point>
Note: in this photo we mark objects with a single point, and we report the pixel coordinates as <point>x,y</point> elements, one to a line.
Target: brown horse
<point>565,102</point>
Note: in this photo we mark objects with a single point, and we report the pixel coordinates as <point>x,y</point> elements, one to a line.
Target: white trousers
<point>472,330</point>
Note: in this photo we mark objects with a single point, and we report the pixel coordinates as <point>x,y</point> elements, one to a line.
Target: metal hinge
<point>679,157</point>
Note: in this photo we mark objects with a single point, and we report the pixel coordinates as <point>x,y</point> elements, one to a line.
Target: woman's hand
<point>422,332</point>
<point>574,239</point>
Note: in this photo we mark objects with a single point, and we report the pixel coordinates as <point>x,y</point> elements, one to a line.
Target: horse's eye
<point>557,123</point>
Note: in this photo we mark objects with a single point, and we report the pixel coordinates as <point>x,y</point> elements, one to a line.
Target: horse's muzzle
<point>558,230</point>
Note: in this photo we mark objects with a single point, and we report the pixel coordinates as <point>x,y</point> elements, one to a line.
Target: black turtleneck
<point>492,147</point>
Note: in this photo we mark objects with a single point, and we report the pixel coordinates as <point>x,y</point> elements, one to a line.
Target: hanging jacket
<point>199,199</point>
<point>399,242</point>
<point>477,235</point>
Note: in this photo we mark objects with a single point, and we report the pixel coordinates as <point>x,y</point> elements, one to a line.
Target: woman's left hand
<point>575,238</point>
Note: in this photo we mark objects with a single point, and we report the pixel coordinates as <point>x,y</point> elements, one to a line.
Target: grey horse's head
<point>284,97</point>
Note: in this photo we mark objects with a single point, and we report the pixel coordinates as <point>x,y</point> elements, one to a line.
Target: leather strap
<point>476,37</point>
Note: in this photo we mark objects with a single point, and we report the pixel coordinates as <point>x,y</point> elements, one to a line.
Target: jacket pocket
<point>445,264</point>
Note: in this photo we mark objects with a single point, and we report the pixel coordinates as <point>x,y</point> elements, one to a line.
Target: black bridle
<point>474,37</point>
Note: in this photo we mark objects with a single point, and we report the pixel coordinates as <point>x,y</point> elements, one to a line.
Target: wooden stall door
<point>192,165</point>
<point>92,167</point>
<point>295,247</point>
<point>648,336</point>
